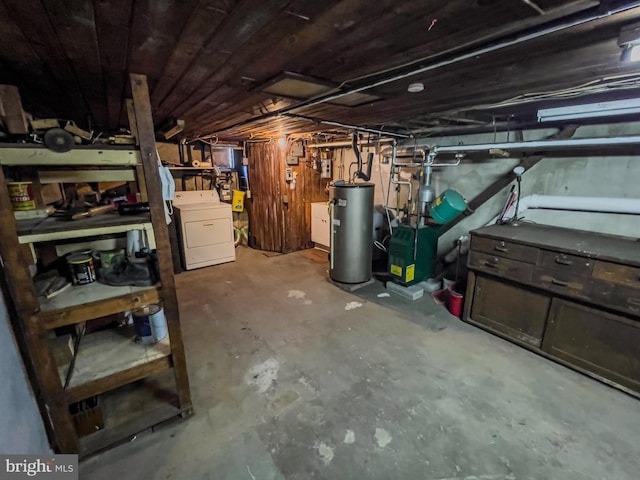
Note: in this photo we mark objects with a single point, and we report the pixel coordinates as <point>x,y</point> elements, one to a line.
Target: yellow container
<point>237,201</point>
<point>21,194</point>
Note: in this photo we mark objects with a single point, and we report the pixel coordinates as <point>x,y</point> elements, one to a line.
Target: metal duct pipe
<point>551,144</point>
<point>405,152</point>
<point>347,143</point>
<point>334,123</point>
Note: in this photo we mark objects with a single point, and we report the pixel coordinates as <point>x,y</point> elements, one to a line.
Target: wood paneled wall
<point>277,225</point>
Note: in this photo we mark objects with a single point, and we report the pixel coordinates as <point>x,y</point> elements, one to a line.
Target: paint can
<point>81,268</point>
<point>21,195</point>
<point>149,323</point>
<point>107,256</point>
<point>448,283</point>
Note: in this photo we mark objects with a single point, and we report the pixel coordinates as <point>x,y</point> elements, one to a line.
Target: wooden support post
<point>133,126</point>
<point>131,116</point>
<point>146,138</point>
<point>11,110</point>
<point>49,393</point>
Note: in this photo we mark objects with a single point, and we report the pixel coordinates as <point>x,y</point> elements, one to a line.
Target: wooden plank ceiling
<point>207,61</point>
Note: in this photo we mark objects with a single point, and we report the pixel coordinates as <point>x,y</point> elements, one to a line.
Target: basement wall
<point>576,176</point>
<point>20,421</point>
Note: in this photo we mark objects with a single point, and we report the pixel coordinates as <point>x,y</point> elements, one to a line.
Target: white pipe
<point>393,172</point>
<point>347,143</point>
<point>579,204</point>
<point>545,143</point>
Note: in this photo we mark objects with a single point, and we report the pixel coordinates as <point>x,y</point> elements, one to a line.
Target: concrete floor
<point>292,379</point>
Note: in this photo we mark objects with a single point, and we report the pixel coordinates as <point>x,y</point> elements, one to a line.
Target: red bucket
<point>456,300</point>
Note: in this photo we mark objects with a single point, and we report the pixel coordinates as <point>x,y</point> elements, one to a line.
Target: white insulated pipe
<point>578,204</point>
<point>551,144</point>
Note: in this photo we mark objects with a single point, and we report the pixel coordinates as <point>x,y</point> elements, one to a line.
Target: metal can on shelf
<point>21,194</point>
<point>149,323</point>
<point>81,268</point>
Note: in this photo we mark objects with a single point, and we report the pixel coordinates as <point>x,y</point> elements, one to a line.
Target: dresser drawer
<point>499,266</point>
<point>617,274</point>
<point>565,263</point>
<point>565,283</point>
<point>616,297</point>
<point>504,249</point>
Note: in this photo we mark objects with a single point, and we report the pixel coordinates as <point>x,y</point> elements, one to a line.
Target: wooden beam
<point>13,115</point>
<point>146,136</point>
<point>133,127</point>
<point>131,116</point>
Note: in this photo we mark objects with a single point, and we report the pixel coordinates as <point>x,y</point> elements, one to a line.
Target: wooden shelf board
<point>52,228</point>
<point>191,168</point>
<point>106,355</point>
<point>132,409</point>
<point>13,154</point>
<point>85,302</point>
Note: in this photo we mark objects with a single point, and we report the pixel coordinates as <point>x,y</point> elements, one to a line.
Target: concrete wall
<point>579,176</point>
<point>22,431</point>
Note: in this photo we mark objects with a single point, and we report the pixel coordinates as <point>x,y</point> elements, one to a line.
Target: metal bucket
<point>149,323</point>
<point>447,206</point>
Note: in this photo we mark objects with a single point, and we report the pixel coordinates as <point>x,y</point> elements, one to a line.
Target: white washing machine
<point>205,227</point>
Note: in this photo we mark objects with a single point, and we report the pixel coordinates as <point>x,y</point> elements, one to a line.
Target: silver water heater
<point>351,232</point>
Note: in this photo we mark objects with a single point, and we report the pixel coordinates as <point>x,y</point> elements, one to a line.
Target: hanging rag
<point>168,189</point>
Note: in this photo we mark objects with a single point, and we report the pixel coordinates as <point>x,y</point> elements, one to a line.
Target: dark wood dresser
<point>570,295</point>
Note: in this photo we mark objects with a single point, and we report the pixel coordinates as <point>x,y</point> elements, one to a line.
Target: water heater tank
<point>351,232</point>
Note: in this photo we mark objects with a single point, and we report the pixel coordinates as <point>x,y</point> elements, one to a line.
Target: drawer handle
<point>560,283</point>
<point>493,264</point>
<point>207,224</point>
<point>634,301</point>
<point>501,248</point>
<point>563,261</point>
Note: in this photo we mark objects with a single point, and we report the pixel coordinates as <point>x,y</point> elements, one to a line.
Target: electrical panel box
<point>297,150</point>
<point>292,160</point>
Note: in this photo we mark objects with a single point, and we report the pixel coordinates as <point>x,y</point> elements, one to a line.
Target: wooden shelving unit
<point>138,386</point>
